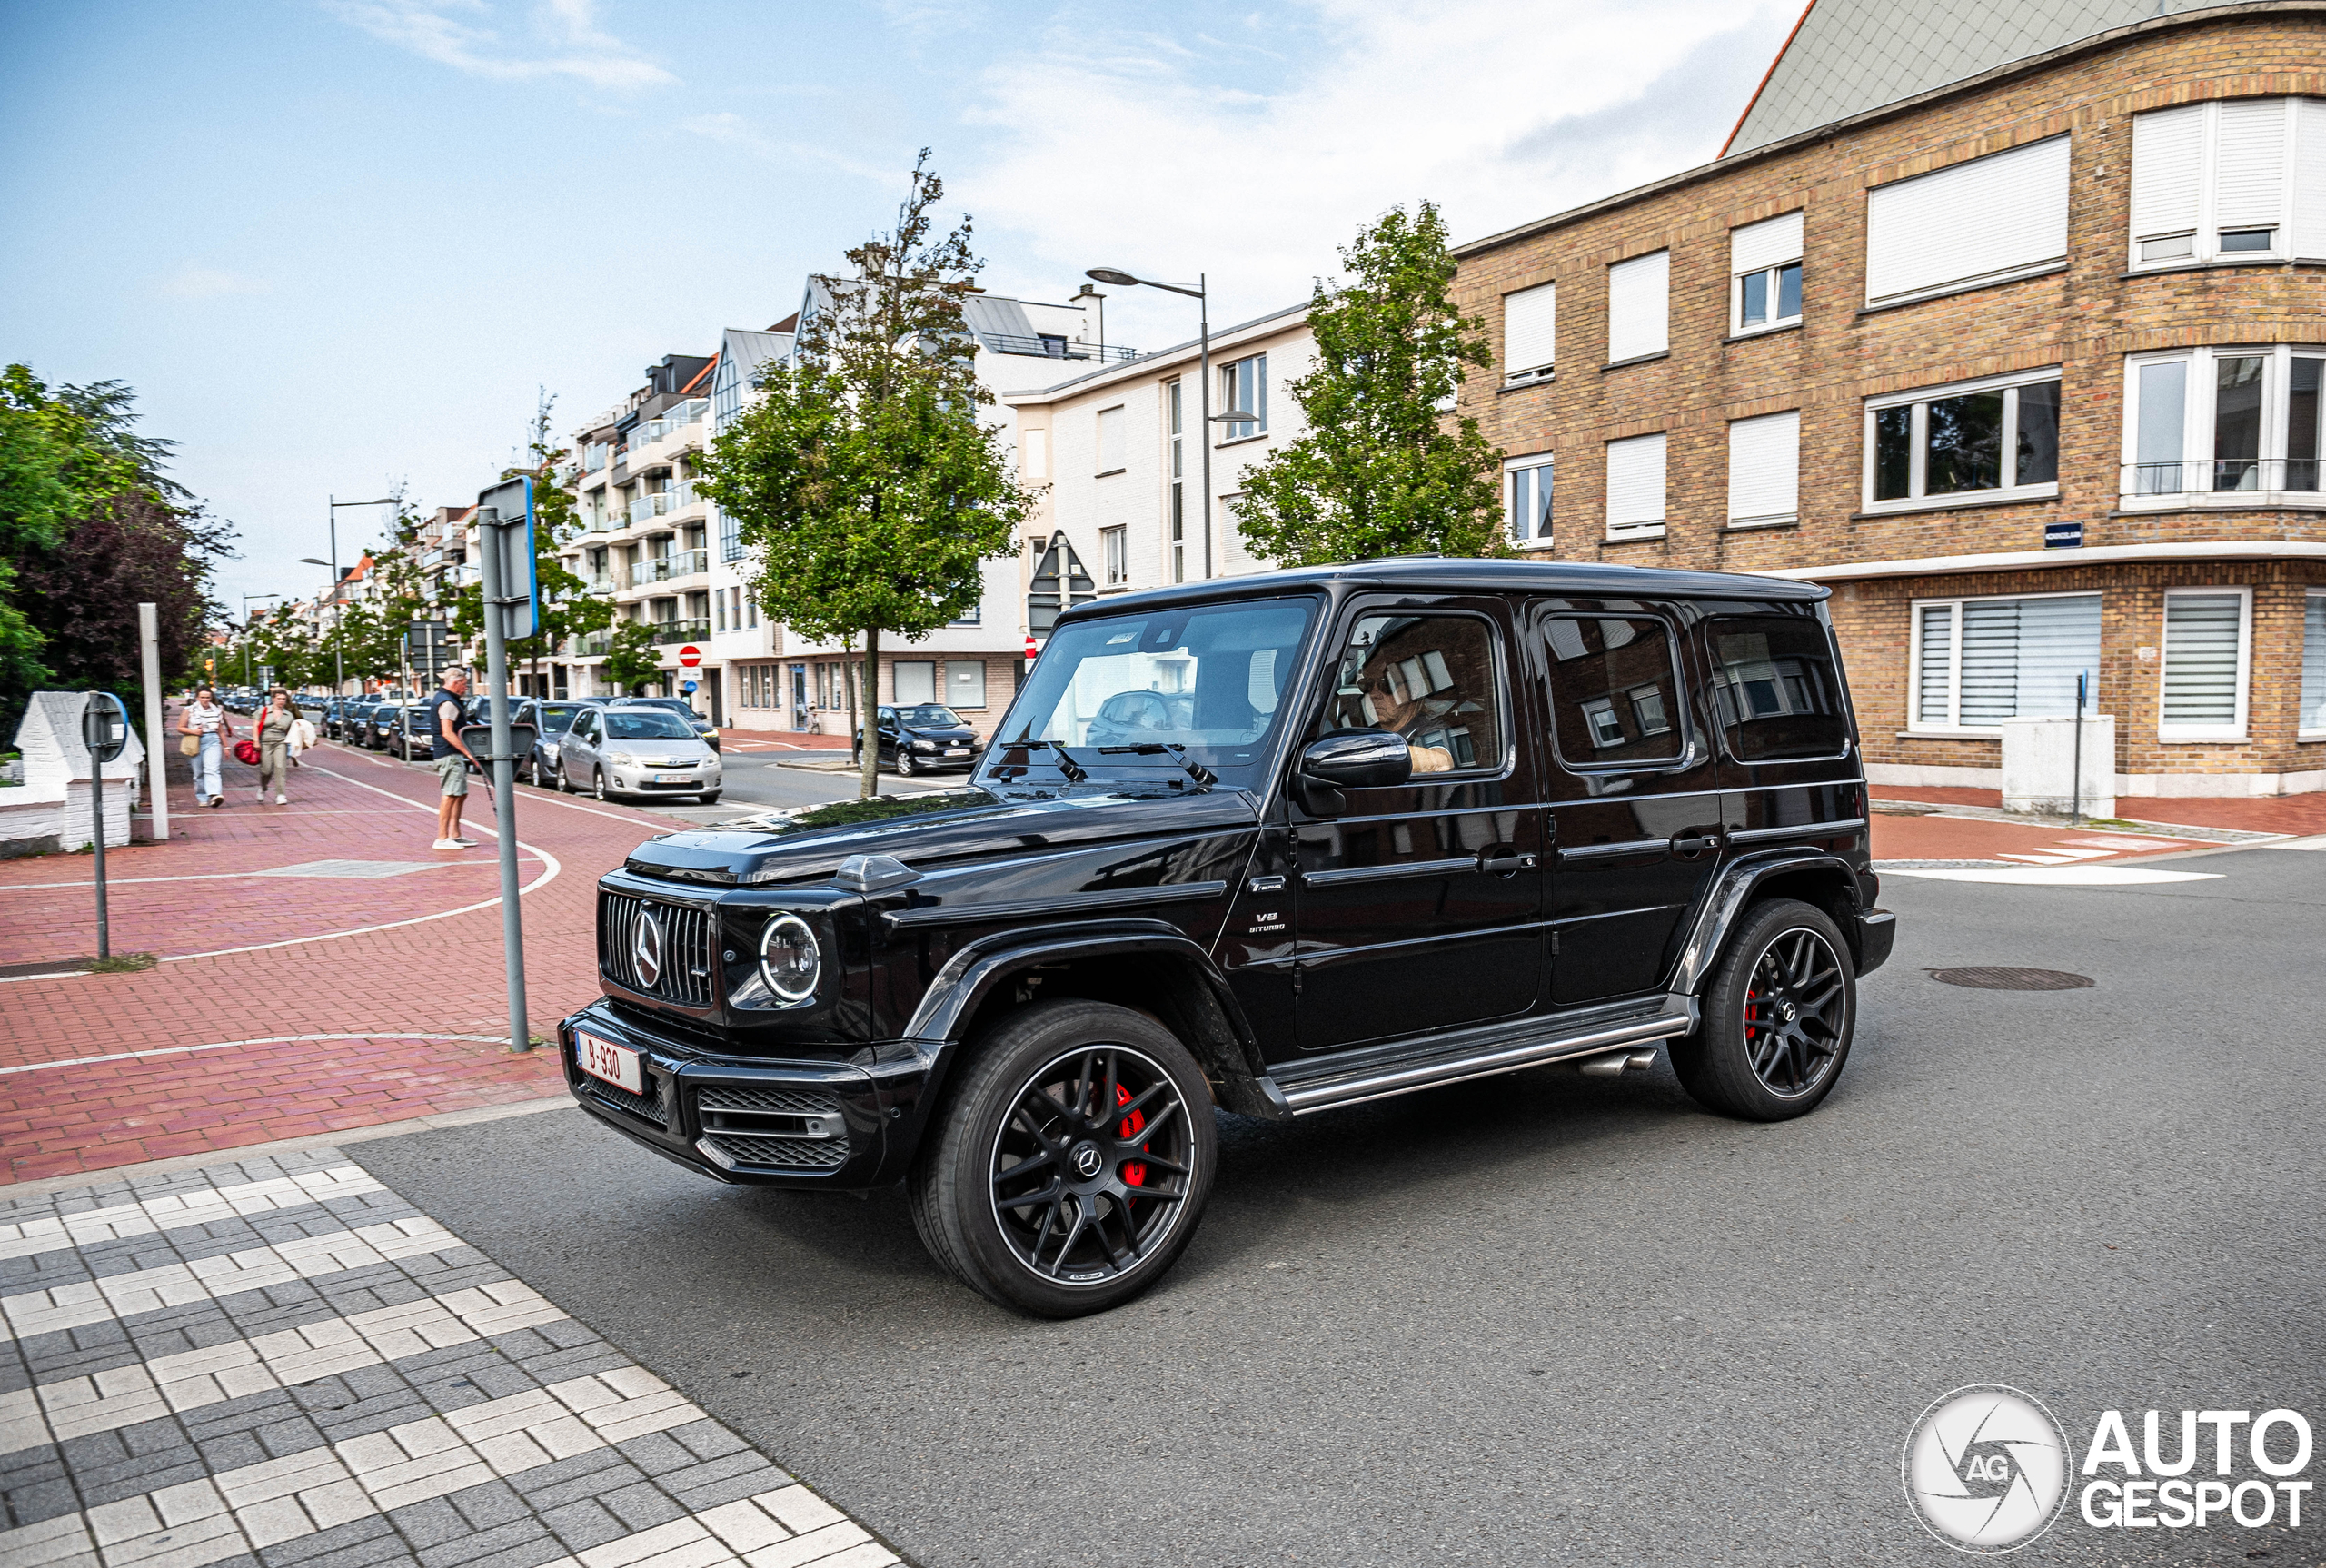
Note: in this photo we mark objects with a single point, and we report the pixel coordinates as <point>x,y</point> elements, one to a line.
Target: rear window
<point>1776,690</point>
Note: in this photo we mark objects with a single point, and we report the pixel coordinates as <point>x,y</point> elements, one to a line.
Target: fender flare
<point>1728,897</point>
<point>971,975</point>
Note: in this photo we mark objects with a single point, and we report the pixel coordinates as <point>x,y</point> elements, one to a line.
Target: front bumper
<point>796,1123</point>
<point>1877,931</point>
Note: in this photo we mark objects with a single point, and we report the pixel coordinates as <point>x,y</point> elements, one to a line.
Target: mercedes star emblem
<point>647,949</point>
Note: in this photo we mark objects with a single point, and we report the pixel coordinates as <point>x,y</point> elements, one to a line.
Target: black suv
<point>1273,844</point>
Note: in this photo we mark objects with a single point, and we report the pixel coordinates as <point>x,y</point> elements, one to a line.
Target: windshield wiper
<point>1203,776</point>
<point>1066,765</point>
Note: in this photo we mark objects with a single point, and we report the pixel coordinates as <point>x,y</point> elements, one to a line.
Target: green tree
<point>631,659</point>
<point>568,608</point>
<point>862,478</point>
<point>1381,470</point>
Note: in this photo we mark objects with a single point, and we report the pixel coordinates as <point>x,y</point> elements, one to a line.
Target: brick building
<point>2026,364</point>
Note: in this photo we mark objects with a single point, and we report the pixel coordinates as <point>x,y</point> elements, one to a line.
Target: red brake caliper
<point>1752,1012</point>
<point>1134,1172</point>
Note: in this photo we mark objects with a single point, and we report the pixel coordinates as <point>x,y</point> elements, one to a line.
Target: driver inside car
<point>1409,675</point>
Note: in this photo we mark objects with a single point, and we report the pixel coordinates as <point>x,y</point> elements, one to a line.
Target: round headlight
<point>790,960</point>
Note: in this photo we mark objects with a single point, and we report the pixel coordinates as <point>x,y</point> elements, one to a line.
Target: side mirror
<point>1351,759</point>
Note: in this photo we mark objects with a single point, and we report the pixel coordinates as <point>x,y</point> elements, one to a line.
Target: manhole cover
<point>2000,978</point>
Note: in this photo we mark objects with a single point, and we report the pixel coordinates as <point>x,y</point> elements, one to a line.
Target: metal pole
<point>157,759</point>
<point>98,806</point>
<point>504,781</point>
<point>338,658</point>
<point>1203,306</point>
<point>2076,767</point>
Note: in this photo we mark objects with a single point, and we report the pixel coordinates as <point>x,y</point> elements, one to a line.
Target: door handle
<point>1687,847</point>
<point>1504,865</point>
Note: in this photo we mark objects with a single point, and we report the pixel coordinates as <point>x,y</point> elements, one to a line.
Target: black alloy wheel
<point>1073,1161</point>
<point>1777,1019</point>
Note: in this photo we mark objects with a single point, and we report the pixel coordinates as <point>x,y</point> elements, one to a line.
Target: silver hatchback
<point>614,752</point>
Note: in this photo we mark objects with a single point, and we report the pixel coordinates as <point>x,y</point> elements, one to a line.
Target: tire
<point>564,784</point>
<point>597,784</point>
<point>1048,1056</point>
<point>533,771</point>
<point>905,767</point>
<point>1748,1059</point>
<point>710,799</point>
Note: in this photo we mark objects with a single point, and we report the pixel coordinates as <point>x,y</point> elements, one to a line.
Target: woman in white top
<point>205,719</point>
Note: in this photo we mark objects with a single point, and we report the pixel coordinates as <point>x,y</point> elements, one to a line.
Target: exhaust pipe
<point>1615,1062</point>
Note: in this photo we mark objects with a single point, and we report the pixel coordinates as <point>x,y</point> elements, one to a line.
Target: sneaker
<point>283,799</point>
<point>218,800</point>
<point>448,844</point>
<point>465,843</point>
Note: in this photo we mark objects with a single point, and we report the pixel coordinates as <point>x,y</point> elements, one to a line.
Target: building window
<point>1529,334</point>
<point>965,683</point>
<point>1979,661</point>
<point>1179,518</point>
<point>1968,225</point>
<point>1243,388</point>
<point>730,539</point>
<point>1114,544</point>
<point>913,680</point>
<point>751,613</point>
<point>1034,455</point>
<point>2210,181</point>
<point>1764,469</point>
<point>1114,447</point>
<point>2224,424</point>
<point>973,616</point>
<point>2205,653</point>
<point>1636,487</point>
<point>1530,499</point>
<point>1764,274</point>
<point>1964,445</point>
<point>2312,723</point>
<point>720,599</point>
<point>1639,307</point>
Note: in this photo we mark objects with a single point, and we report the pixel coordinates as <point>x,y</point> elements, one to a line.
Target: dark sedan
<point>922,738</point>
<point>551,719</point>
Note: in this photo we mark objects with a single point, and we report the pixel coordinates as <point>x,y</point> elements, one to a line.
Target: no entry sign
<point>690,656</point>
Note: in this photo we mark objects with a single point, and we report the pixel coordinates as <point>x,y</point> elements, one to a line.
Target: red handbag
<point>246,753</point>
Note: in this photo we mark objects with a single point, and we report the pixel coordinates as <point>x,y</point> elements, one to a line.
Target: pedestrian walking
<point>452,757</point>
<point>206,723</point>
<point>273,725</point>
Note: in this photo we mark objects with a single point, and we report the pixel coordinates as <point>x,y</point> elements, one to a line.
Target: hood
<point>927,830</point>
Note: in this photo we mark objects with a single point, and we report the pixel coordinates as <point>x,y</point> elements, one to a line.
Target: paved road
<point>1544,1318</point>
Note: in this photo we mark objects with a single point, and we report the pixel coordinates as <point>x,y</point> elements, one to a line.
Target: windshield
<point>647,724</point>
<point>558,718</point>
<point>1210,679</point>
<point>930,716</point>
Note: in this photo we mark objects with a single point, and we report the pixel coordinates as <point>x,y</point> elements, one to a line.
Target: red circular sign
<point>1031,650</point>
<point>690,656</point>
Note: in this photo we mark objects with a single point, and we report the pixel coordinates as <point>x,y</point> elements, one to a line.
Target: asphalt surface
<point>1544,1318</point>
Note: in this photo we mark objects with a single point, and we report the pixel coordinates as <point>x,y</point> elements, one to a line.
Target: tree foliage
<point>1381,470</point>
<point>633,658</point>
<point>862,479</point>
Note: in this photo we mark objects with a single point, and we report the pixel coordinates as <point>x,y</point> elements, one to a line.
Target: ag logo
<point>646,948</point>
<point>1986,1468</point>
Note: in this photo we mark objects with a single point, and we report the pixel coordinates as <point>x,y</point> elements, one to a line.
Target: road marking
<point>2061,875</point>
<point>224,1045</point>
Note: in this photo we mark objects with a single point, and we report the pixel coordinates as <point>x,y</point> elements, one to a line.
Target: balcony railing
<point>695,630</point>
<point>2224,475</point>
<point>599,582</point>
<point>669,568</point>
<point>645,508</point>
<point>1055,348</point>
<point>605,521</point>
<point>588,644</point>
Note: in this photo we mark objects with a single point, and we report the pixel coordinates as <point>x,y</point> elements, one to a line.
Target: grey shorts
<point>452,774</point>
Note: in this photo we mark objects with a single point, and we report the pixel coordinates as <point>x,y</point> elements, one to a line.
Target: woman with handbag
<point>272,727</point>
<point>202,730</point>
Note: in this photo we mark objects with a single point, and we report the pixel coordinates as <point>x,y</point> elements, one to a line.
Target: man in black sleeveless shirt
<point>453,758</point>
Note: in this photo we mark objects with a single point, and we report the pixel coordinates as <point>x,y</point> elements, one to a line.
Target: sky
<point>341,246</point>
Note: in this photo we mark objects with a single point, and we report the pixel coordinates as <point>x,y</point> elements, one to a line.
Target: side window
<point>1430,678</point>
<point>1775,689</point>
<point>1615,690</point>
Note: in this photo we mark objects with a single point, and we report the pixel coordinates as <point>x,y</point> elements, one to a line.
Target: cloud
<point>1179,156</point>
<point>209,283</point>
<point>565,38</point>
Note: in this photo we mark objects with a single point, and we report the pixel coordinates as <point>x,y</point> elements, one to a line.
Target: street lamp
<point>339,659</point>
<point>1123,280</point>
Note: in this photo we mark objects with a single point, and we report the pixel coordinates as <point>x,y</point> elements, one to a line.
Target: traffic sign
<point>1031,651</point>
<point>505,524</point>
<point>104,726</point>
<point>688,687</point>
<point>690,656</point>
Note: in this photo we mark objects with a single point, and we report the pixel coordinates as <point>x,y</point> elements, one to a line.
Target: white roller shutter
<point>2310,178</point>
<point>1529,332</point>
<point>2167,152</point>
<point>2203,664</point>
<point>1765,468</point>
<point>2250,164</point>
<point>1765,244</point>
<point>1635,482</point>
<point>2021,656</point>
<point>1114,447</point>
<point>1639,298</point>
<point>1983,219</point>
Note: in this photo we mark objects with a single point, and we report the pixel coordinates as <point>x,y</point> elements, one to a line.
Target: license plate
<point>959,751</point>
<point>673,777</point>
<point>617,1064</point>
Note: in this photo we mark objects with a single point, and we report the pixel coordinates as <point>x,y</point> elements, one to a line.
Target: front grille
<point>799,1102</point>
<point>648,1107</point>
<point>688,939</point>
<point>812,1153</point>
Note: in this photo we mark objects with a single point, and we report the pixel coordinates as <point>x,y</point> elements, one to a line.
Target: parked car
<point>1277,843</point>
<point>551,719</point>
<point>333,723</point>
<point>921,737</point>
<point>388,723</point>
<point>678,705</point>
<point>355,721</point>
<point>636,750</point>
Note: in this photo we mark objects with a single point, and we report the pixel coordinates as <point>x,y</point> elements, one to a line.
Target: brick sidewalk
<point>394,969</point>
<point>2297,814</point>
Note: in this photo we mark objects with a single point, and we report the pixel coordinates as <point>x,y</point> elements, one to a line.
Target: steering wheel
<point>1135,710</point>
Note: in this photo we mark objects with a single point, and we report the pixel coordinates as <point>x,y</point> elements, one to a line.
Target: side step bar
<point>1398,1078</point>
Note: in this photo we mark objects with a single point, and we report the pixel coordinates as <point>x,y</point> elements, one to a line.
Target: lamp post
<point>1200,295</point>
<point>339,659</point>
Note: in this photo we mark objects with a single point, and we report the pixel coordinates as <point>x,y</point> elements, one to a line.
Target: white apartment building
<point>1118,449</point>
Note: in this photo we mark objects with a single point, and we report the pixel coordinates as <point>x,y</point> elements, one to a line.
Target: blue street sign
<point>2064,536</point>
<point>687,686</point>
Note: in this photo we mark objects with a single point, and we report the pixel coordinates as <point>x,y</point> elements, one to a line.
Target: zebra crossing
<point>279,1364</point>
